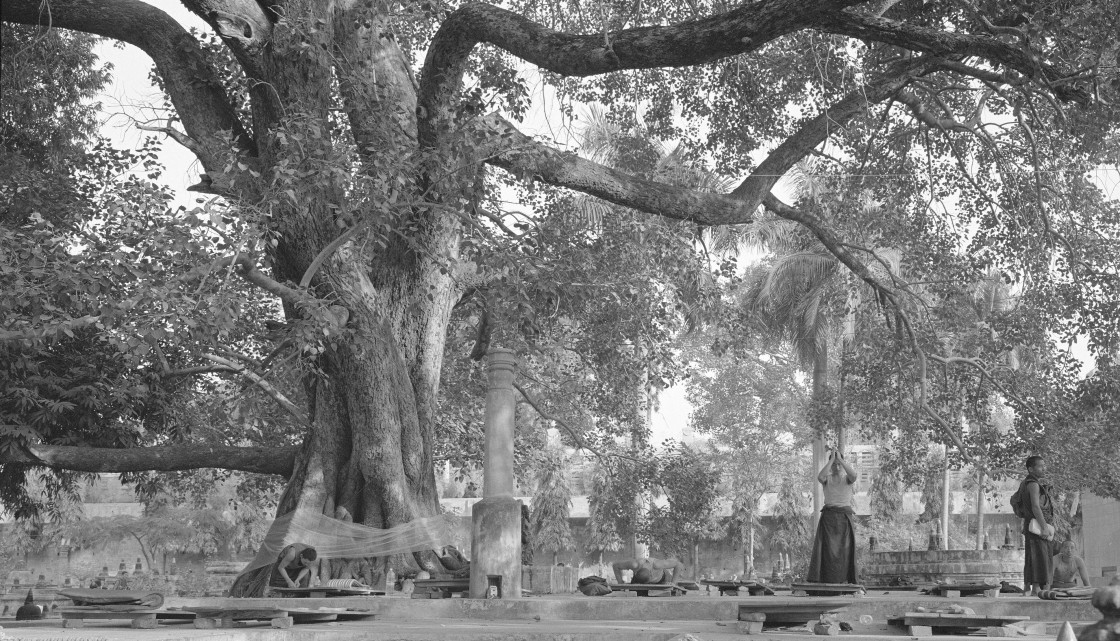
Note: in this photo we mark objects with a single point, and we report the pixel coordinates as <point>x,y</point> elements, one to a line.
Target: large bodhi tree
<point>363,215</point>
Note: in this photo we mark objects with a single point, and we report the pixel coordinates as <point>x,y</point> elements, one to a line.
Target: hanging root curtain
<point>336,539</point>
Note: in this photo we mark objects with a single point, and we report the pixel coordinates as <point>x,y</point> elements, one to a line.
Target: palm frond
<point>598,136</point>
<point>806,180</point>
<point>798,271</point>
<point>591,211</point>
<point>892,256</point>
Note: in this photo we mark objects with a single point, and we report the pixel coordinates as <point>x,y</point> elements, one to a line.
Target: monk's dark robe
<point>252,584</point>
<point>834,547</point>
<point>1038,553</point>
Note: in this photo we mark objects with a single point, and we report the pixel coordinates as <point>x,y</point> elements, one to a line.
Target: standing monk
<point>834,548</point>
<point>1039,554</point>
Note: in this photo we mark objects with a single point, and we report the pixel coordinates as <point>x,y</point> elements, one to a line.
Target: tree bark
<point>980,509</point>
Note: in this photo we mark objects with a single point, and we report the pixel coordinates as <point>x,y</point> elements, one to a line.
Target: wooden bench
<point>924,624</point>
<point>645,589</point>
<point>96,597</point>
<point>733,588</point>
<point>322,592</point>
<point>244,616</point>
<point>956,591</point>
<point>138,617</point>
<point>440,588</point>
<point>828,589</point>
<point>784,611</point>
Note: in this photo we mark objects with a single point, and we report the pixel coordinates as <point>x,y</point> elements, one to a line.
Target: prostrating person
<point>293,568</point>
<point>834,547</point>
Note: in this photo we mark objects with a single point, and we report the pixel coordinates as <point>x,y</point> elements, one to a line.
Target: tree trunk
<point>819,398</point>
<point>750,547</point>
<point>144,551</point>
<point>980,509</point>
<point>372,408</point>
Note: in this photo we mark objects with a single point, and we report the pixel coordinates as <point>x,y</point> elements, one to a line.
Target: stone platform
<point>692,607</point>
<point>460,630</point>
<point>548,618</point>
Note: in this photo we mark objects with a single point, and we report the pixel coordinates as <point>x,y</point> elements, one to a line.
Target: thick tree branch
<point>247,268</point>
<point>690,43</point>
<point>756,187</point>
<point>944,43</point>
<point>918,108</point>
<point>576,438</point>
<point>167,458</point>
<point>171,132</point>
<point>508,148</point>
<point>245,25</point>
<point>200,101</point>
<point>265,386</point>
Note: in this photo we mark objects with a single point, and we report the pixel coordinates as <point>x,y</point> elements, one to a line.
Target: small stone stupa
<point>29,611</point>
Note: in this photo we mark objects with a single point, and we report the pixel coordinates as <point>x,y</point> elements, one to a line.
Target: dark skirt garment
<point>834,548</point>
<point>253,584</point>
<point>1039,560</point>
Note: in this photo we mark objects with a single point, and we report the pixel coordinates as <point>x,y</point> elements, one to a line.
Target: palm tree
<point>796,296</point>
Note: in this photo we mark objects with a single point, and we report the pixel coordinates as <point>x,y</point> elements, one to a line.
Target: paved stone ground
<point>561,618</point>
<point>455,630</point>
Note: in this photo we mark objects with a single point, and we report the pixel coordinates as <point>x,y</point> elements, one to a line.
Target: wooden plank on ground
<point>790,611</point>
<point>142,620</point>
<point>239,614</point>
<point>175,615</point>
<point>828,589</point>
<point>965,589</point>
<point>645,589</point>
<point>954,620</point>
<point>324,592</point>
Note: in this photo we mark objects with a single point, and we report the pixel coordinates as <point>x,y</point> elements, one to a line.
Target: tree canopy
<point>358,156</point>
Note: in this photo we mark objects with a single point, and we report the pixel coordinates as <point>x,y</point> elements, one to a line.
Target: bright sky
<point>131,96</point>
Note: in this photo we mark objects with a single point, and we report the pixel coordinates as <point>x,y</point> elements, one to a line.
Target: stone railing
<point>919,567</point>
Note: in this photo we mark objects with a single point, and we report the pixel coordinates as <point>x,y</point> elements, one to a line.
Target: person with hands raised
<point>834,547</point>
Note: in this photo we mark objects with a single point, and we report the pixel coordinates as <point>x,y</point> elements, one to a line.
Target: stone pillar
<point>496,519</point>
